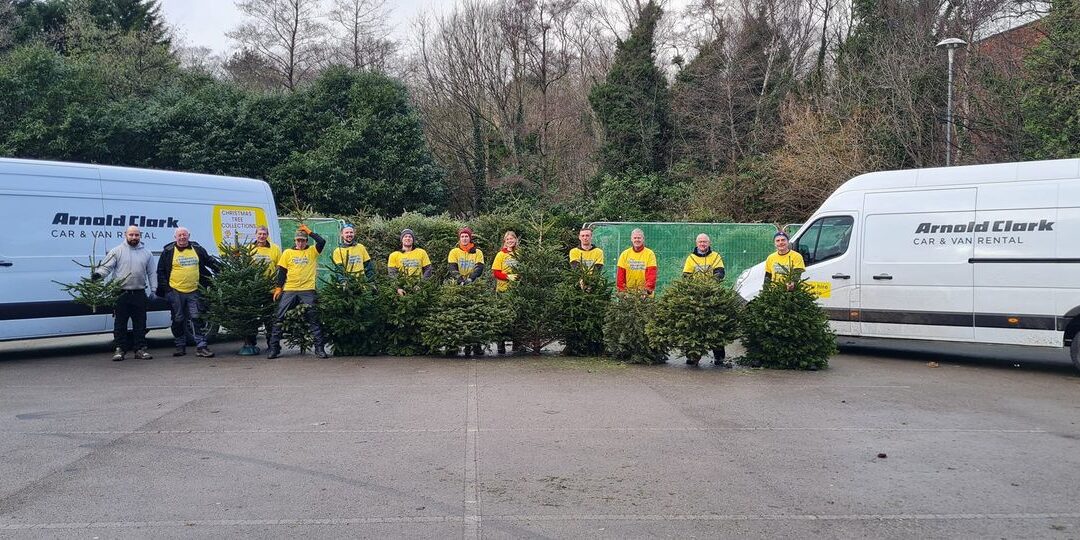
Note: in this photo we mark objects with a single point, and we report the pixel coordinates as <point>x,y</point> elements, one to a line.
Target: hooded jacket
<point>134,266</point>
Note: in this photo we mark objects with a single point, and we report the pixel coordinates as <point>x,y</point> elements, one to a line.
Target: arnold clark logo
<point>999,226</point>
<point>115,220</point>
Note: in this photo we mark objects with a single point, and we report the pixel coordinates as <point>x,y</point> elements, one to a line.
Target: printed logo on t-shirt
<point>187,260</point>
<point>300,260</point>
<point>354,260</point>
<point>637,265</point>
<point>410,263</point>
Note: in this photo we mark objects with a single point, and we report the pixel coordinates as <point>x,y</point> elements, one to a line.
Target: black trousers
<point>287,301</point>
<point>130,306</point>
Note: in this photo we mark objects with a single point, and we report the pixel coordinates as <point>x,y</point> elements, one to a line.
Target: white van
<point>53,213</point>
<point>979,254</point>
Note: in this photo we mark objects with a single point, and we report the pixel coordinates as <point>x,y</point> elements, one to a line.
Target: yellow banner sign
<point>237,223</point>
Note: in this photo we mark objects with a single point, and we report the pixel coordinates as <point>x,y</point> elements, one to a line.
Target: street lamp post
<point>950,44</point>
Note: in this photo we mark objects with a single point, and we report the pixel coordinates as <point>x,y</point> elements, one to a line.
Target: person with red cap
<point>466,266</point>
<point>466,260</point>
<point>636,269</point>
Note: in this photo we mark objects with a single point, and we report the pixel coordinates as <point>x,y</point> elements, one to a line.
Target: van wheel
<point>1074,350</point>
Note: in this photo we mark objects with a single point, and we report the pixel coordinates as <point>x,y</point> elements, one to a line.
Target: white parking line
<point>548,518</point>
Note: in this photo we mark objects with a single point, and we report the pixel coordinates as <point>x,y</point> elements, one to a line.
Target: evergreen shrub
<point>694,315</point>
<point>624,329</point>
<point>786,329</point>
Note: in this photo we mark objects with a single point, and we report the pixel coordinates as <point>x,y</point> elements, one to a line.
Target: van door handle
<point>883,276</point>
<point>6,263</point>
<point>841,276</point>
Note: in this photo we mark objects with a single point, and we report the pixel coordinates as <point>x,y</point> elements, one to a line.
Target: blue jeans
<point>187,318</point>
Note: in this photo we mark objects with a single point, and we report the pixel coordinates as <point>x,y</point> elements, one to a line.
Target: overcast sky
<point>204,22</point>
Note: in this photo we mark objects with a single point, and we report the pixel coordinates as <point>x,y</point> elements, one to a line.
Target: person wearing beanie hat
<point>783,260</point>
<point>295,284</point>
<point>466,260</point>
<point>352,255</point>
<point>410,261</point>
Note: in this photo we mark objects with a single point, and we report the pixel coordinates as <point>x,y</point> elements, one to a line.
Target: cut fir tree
<point>538,316</point>
<point>695,315</point>
<point>92,291</point>
<point>464,316</point>
<point>352,312</point>
<point>624,329</point>
<point>239,299</point>
<point>584,296</point>
<point>784,328</point>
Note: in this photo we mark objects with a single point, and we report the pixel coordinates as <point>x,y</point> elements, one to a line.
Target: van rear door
<point>915,275</point>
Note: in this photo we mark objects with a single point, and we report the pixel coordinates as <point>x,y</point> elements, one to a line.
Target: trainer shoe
<point>273,353</point>
<point>204,352</point>
<point>118,355</point>
<point>321,352</point>
<point>180,351</point>
<point>141,354</point>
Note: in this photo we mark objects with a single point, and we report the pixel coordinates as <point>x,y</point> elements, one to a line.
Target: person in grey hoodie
<point>132,264</point>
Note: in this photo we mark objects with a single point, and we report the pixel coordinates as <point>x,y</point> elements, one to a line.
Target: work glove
<point>161,292</point>
<point>94,276</point>
<point>305,229</point>
<point>512,277</point>
<point>277,293</point>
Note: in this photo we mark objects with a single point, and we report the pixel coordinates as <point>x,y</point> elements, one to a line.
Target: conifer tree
<point>239,299</point>
<point>624,329</point>
<point>538,317</point>
<point>584,296</point>
<point>633,104</point>
<point>694,315</point>
<point>1051,105</point>
<point>784,328</point>
<point>353,313</point>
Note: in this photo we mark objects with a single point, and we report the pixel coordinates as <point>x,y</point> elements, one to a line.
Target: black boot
<point>719,357</point>
<point>501,347</point>
<point>320,351</point>
<point>273,352</point>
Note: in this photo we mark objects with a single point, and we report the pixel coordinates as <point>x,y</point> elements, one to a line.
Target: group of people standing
<point>184,265</point>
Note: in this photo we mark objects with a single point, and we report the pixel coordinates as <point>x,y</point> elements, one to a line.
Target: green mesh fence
<point>327,228</point>
<point>741,245</point>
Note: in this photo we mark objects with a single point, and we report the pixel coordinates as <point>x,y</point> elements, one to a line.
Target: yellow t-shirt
<point>505,262</point>
<point>635,264</point>
<point>589,258</point>
<point>775,264</point>
<point>411,263</point>
<point>465,261</point>
<point>301,266</point>
<point>353,258</point>
<point>707,264</point>
<point>269,255</point>
<point>184,276</point>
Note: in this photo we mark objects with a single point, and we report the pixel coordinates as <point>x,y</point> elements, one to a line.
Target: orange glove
<point>305,229</point>
<point>277,293</point>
